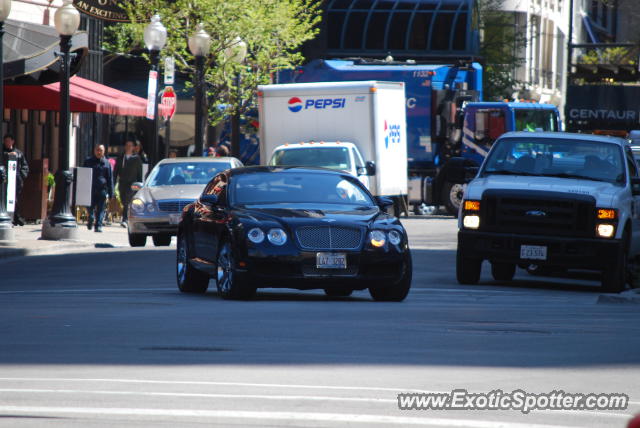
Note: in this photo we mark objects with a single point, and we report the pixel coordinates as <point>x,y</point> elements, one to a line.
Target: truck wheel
<point>452,197</point>
<point>189,279</point>
<point>614,278</point>
<point>467,269</point>
<point>503,271</point>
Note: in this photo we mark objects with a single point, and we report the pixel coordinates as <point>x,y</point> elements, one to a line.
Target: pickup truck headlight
<point>606,230</point>
<point>607,219</point>
<point>471,214</point>
<point>471,221</point>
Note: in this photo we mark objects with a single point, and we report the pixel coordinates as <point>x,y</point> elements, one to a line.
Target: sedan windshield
<point>290,187</point>
<point>325,157</point>
<point>171,174</point>
<point>589,160</point>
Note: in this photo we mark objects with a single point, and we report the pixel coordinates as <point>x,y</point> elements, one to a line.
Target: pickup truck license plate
<point>535,252</point>
<point>331,260</point>
<point>175,218</point>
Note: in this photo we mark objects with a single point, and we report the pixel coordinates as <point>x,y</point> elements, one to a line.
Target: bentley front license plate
<point>331,261</point>
<point>533,252</point>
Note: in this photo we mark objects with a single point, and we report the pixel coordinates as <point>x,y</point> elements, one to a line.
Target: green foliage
<point>617,56</point>
<point>500,45</point>
<point>273,30</point>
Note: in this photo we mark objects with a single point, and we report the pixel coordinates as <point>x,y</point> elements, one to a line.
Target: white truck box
<point>369,114</point>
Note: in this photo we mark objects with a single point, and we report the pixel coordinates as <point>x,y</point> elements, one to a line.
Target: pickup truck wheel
<point>452,196</point>
<point>614,278</point>
<point>190,280</point>
<point>467,269</point>
<point>503,271</point>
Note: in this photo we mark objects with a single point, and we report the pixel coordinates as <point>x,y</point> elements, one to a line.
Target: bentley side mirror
<point>383,202</point>
<point>635,186</point>
<point>209,199</point>
<point>136,186</point>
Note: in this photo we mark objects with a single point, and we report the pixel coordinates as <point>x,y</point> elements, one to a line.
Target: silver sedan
<point>156,208</point>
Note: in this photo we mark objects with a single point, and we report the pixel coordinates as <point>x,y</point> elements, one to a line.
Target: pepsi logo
<point>295,104</point>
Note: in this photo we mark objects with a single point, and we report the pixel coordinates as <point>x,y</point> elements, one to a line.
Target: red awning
<point>86,97</point>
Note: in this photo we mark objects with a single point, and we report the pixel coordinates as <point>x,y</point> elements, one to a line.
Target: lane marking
<point>84,290</point>
<point>301,416</point>
<point>273,398</point>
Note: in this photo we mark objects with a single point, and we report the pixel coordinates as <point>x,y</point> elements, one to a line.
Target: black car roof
<point>285,169</point>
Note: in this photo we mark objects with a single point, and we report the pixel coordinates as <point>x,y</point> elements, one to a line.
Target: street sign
<point>152,89</point>
<point>11,185</point>
<point>169,101</point>
<point>169,70</point>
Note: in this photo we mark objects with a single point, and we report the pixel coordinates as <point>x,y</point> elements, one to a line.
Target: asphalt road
<point>106,339</point>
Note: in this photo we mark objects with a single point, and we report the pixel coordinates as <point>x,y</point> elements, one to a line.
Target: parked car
<point>554,200</point>
<point>292,227</point>
<point>173,184</point>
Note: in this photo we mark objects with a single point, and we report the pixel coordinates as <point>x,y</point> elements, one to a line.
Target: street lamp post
<point>7,233</point>
<point>155,37</point>
<point>237,53</point>
<point>61,224</point>
<point>199,45</point>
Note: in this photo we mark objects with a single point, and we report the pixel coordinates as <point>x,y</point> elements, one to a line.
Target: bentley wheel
<point>161,240</point>
<point>398,291</point>
<point>190,280</point>
<point>338,292</point>
<point>137,240</point>
<point>229,285</point>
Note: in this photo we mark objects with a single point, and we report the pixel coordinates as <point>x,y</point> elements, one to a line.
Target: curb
<point>629,296</point>
<point>9,253</point>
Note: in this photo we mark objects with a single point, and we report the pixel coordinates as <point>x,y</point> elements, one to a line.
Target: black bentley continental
<point>291,227</point>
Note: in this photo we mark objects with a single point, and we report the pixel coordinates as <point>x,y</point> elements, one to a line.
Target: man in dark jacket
<point>101,186</point>
<point>128,170</point>
<point>9,148</point>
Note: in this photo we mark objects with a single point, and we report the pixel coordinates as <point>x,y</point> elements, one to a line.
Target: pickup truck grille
<point>537,212</point>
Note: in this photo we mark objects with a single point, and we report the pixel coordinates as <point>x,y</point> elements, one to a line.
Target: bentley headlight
<point>377,238</point>
<point>137,206</point>
<point>277,236</point>
<point>255,235</point>
<point>395,237</point>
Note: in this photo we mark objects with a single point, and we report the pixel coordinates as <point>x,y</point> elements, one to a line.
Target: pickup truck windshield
<point>590,160</point>
<point>536,120</point>
<point>325,157</point>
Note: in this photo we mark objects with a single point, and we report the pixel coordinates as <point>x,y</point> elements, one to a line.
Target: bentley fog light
<point>277,236</point>
<point>377,238</point>
<point>395,237</point>
<point>606,230</point>
<point>137,206</point>
<point>471,221</point>
<point>256,235</point>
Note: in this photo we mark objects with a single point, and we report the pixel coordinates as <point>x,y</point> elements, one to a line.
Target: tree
<point>273,30</point>
<point>500,46</point>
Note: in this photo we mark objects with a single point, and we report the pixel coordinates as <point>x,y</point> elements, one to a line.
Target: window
<point>178,173</point>
<point>536,120</point>
<point>218,187</point>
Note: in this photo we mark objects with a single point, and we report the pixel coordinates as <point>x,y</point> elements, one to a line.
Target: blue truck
<point>447,123</point>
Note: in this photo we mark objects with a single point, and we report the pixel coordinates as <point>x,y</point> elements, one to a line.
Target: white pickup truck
<point>552,200</point>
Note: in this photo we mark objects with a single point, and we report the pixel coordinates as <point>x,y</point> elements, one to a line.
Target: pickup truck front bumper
<point>571,253</point>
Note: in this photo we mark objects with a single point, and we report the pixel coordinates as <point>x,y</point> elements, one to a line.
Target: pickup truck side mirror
<point>370,166</point>
<point>635,186</point>
<point>383,202</point>
<point>136,186</point>
<point>460,170</point>
<point>210,200</point>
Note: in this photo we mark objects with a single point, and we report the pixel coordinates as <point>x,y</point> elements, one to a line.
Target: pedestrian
<point>140,152</point>
<point>173,154</point>
<point>101,186</point>
<point>22,172</point>
<point>222,151</point>
<point>128,171</point>
<point>211,151</point>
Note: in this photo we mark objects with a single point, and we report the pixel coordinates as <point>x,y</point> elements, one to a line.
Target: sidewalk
<point>28,242</point>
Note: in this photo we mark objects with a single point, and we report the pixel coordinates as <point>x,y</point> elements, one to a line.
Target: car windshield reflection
<point>172,174</point>
<point>286,187</point>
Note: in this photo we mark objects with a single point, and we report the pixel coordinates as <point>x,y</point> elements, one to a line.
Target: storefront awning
<point>86,96</point>
<point>31,53</point>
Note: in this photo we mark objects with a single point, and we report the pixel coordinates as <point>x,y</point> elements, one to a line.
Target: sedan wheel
<point>229,285</point>
<point>161,240</point>
<point>398,291</point>
<point>190,280</point>
<point>137,240</point>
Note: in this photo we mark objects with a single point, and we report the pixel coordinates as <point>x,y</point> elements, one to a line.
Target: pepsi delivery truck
<point>358,127</point>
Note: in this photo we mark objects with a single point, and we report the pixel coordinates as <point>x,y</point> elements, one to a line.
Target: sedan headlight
<point>137,205</point>
<point>377,238</point>
<point>151,208</point>
<point>255,235</point>
<point>395,237</point>
<point>277,236</point>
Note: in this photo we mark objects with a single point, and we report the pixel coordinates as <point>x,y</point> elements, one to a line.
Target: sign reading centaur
<point>603,107</point>
<point>107,10</point>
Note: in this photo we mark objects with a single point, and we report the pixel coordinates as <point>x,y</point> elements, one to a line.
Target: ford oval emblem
<point>329,220</point>
<point>536,213</point>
